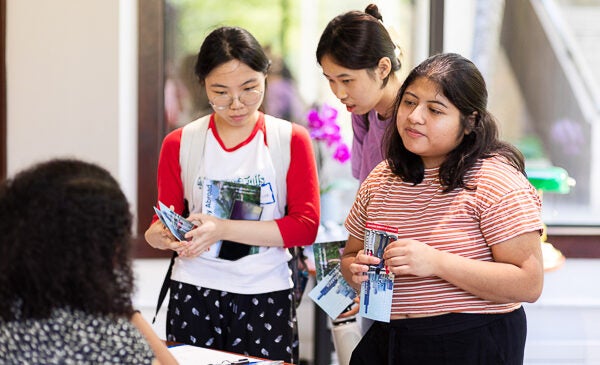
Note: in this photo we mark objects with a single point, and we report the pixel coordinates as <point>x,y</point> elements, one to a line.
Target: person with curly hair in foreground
<point>66,279</point>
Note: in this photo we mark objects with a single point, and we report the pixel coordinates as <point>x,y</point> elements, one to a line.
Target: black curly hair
<point>66,229</point>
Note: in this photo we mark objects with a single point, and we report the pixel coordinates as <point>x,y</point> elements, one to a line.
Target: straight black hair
<point>358,40</point>
<point>230,43</point>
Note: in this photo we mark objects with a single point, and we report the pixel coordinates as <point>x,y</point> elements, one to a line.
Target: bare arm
<point>515,275</point>
<point>162,354</point>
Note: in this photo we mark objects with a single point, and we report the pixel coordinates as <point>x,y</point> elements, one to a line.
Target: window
<point>550,112</point>
<point>550,48</point>
<point>170,34</point>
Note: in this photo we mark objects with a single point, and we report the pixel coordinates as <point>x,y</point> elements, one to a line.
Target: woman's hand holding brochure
<point>171,230</point>
<point>178,225</point>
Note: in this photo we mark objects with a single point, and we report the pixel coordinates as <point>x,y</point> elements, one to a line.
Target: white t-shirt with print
<point>263,272</point>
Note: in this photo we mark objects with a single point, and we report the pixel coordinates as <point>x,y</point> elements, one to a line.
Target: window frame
<point>151,124</point>
<point>3,142</point>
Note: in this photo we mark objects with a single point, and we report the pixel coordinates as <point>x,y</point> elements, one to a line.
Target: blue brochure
<point>376,292</point>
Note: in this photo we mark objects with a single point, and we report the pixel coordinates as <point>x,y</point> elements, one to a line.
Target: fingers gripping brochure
<point>332,293</point>
<point>178,225</point>
<point>376,292</point>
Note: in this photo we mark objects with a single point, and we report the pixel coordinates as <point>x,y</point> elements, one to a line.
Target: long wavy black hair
<point>461,82</point>
<point>66,228</point>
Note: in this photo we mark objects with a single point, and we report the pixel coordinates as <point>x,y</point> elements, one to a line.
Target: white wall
<point>563,325</point>
<point>63,83</point>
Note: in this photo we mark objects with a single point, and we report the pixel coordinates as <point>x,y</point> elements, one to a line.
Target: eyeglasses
<point>246,97</point>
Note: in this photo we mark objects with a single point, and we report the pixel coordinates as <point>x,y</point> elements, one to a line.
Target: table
<point>188,355</point>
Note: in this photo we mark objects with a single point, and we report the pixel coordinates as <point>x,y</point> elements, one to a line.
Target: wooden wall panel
<point>151,125</point>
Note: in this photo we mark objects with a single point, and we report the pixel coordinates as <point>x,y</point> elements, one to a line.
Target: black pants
<point>450,339</point>
<point>260,325</point>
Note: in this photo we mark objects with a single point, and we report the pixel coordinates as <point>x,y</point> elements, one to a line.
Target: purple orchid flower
<point>322,124</point>
<point>342,153</point>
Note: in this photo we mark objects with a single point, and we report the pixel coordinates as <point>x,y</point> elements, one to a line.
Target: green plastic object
<point>552,179</point>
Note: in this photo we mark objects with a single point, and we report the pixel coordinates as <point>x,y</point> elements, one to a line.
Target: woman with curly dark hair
<point>65,272</point>
<point>468,226</point>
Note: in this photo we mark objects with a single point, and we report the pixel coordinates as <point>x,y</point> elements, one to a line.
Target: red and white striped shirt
<point>463,222</point>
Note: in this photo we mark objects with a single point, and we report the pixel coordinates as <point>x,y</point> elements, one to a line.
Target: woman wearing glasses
<point>230,286</point>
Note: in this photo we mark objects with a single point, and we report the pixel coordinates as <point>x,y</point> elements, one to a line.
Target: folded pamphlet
<point>178,225</point>
<point>232,200</point>
<point>376,292</point>
<point>332,293</point>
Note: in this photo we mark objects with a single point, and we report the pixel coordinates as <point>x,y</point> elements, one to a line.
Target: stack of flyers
<point>178,225</point>
<point>332,293</point>
<point>376,292</point>
<point>232,200</point>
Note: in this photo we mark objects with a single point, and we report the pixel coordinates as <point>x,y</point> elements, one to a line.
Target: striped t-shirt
<point>463,222</point>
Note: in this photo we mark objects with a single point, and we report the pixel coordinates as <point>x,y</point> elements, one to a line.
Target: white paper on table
<point>187,354</point>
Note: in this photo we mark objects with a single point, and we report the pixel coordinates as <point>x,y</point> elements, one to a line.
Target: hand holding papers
<point>376,293</point>
<point>178,225</point>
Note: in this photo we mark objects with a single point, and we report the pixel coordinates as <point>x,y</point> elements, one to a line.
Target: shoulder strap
<point>164,287</point>
<point>279,138</point>
<point>193,135</point>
